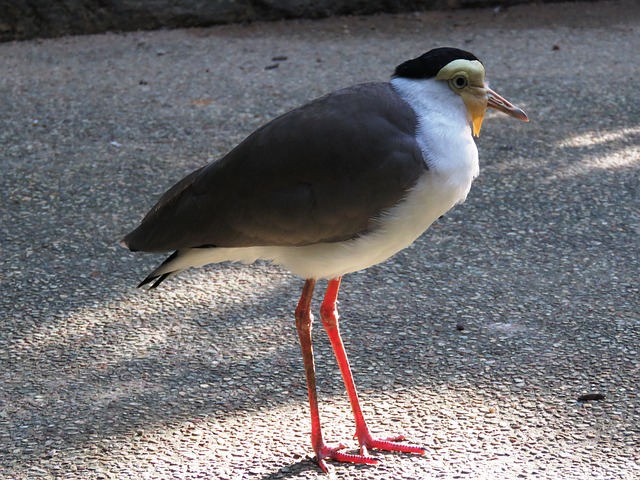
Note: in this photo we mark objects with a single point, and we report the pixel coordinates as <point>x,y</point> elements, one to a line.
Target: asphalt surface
<point>476,342</point>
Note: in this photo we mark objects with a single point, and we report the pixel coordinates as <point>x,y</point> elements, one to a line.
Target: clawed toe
<point>389,444</point>
<point>334,453</point>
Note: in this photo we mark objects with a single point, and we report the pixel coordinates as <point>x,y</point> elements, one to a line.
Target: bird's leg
<point>304,318</point>
<point>329,315</point>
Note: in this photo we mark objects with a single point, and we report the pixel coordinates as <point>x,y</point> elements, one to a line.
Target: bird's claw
<point>324,452</point>
<point>334,453</point>
<point>389,444</point>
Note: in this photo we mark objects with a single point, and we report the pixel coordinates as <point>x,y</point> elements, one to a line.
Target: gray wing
<point>321,173</point>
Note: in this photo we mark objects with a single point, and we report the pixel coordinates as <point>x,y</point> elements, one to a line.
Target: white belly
<point>432,196</point>
<point>398,229</point>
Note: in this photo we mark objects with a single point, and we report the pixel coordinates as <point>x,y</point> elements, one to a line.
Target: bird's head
<point>465,76</point>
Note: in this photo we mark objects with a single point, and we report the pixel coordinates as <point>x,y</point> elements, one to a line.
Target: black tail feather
<point>161,279</point>
<point>158,279</point>
<point>150,279</point>
<point>146,281</point>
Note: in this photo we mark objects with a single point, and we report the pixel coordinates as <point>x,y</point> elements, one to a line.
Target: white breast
<point>451,155</point>
<point>444,132</point>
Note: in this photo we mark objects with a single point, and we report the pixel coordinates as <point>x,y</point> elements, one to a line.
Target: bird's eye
<point>460,81</point>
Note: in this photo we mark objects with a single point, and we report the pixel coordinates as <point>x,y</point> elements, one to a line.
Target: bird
<point>332,187</point>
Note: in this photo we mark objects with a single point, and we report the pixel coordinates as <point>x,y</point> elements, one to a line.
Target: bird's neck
<point>433,101</point>
<point>443,131</point>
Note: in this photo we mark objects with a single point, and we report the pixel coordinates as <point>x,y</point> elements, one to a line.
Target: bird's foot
<point>390,444</point>
<point>324,452</point>
<point>367,442</point>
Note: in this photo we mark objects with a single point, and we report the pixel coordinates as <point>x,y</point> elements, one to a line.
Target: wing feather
<point>321,173</point>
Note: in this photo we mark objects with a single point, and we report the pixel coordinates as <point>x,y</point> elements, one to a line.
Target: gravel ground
<point>476,342</point>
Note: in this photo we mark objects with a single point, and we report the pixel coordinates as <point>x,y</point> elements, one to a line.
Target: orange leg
<point>329,315</point>
<point>304,318</point>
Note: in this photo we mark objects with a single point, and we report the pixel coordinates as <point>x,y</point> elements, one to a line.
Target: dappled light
<point>604,150</point>
<point>477,342</point>
<point>594,138</point>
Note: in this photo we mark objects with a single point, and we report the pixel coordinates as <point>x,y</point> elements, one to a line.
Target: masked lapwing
<point>335,186</point>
